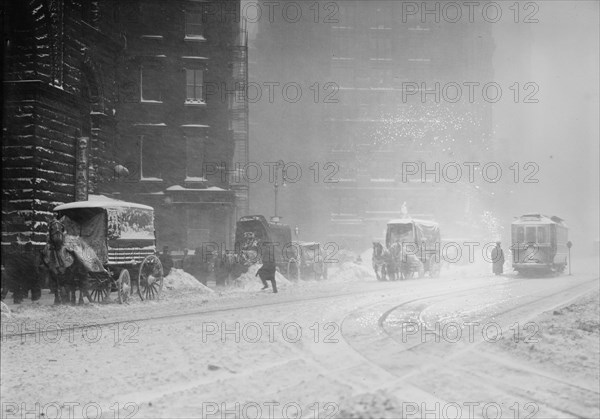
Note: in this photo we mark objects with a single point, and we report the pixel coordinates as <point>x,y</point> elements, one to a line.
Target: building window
<point>194,86</point>
<point>383,18</point>
<point>347,14</point>
<point>342,46</point>
<point>381,46</point>
<point>150,88</point>
<point>195,158</point>
<point>150,157</point>
<point>193,25</point>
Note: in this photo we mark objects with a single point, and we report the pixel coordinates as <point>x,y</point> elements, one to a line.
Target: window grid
<point>194,85</point>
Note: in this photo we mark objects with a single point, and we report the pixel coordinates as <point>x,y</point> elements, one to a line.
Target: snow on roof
<point>539,219</point>
<point>101,201</point>
<point>412,220</point>
<point>181,188</point>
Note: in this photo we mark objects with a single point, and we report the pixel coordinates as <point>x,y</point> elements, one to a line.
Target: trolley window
<point>542,235</point>
<point>520,234</point>
<point>530,234</point>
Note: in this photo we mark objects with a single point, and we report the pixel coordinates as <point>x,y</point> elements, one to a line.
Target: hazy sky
<point>560,133</point>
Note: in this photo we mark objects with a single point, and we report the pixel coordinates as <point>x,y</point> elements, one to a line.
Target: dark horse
<point>382,262</point>
<point>66,270</point>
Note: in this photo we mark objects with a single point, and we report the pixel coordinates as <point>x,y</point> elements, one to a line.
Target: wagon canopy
<point>105,223</point>
<point>412,230</point>
<point>255,230</point>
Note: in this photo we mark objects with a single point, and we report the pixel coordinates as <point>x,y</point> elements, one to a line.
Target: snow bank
<point>351,271</point>
<point>250,282</point>
<point>178,279</point>
<point>5,310</point>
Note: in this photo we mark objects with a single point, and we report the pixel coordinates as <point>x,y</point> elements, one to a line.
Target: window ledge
<point>150,179</point>
<point>194,38</point>
<point>195,103</point>
<point>150,101</point>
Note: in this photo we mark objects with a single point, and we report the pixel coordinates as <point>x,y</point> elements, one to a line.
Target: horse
<point>405,263</point>
<point>66,271</point>
<point>380,260</point>
<point>394,262</point>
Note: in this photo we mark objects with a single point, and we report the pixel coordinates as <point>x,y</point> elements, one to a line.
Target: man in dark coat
<point>267,273</point>
<point>21,273</point>
<point>166,260</point>
<point>498,259</point>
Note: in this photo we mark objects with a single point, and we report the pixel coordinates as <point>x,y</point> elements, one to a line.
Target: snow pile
<point>5,310</point>
<point>178,279</point>
<point>350,271</point>
<point>378,405</point>
<point>565,341</point>
<point>343,256</point>
<point>250,282</point>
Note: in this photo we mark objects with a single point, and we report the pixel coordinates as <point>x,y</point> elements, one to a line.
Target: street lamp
<point>569,245</point>
<point>280,164</point>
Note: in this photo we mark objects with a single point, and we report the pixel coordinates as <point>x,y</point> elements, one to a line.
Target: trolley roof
<point>539,219</point>
<point>101,201</point>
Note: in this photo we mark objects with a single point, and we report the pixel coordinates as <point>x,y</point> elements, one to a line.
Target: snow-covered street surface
<point>467,344</point>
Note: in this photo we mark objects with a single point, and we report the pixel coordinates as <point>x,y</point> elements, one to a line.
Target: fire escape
<point>238,108</point>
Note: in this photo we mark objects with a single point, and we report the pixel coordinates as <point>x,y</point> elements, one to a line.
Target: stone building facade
<point>123,99</point>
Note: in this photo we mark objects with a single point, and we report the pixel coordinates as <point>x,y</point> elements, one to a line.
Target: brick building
<point>98,84</point>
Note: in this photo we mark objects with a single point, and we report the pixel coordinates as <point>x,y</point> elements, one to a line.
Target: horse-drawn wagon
<point>111,243</point>
<point>414,246</point>
<point>307,261</point>
<point>256,238</point>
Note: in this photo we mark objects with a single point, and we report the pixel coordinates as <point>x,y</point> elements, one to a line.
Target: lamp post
<point>569,245</point>
<point>280,164</point>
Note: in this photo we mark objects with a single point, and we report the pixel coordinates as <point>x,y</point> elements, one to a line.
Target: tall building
<point>383,63</point>
<point>179,121</point>
<point>398,74</point>
<point>129,99</point>
<point>59,97</point>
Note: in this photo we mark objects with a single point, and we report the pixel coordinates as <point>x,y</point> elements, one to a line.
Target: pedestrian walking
<point>498,259</point>
<point>267,273</point>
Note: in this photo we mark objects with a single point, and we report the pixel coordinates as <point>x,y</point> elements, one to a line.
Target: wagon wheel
<point>150,279</point>
<point>295,274</point>
<point>319,270</point>
<point>124,286</point>
<point>99,289</point>
<point>407,274</point>
<point>434,269</point>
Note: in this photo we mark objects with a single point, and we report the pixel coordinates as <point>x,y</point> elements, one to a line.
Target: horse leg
<point>84,289</point>
<point>73,293</point>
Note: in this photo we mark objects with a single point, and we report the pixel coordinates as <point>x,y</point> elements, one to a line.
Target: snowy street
<point>467,344</point>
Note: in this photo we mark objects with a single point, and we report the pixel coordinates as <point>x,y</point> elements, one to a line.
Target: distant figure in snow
<point>498,259</point>
<point>198,267</point>
<point>166,260</point>
<point>184,263</point>
<point>267,273</point>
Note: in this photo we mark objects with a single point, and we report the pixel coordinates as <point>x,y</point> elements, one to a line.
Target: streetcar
<point>539,244</point>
